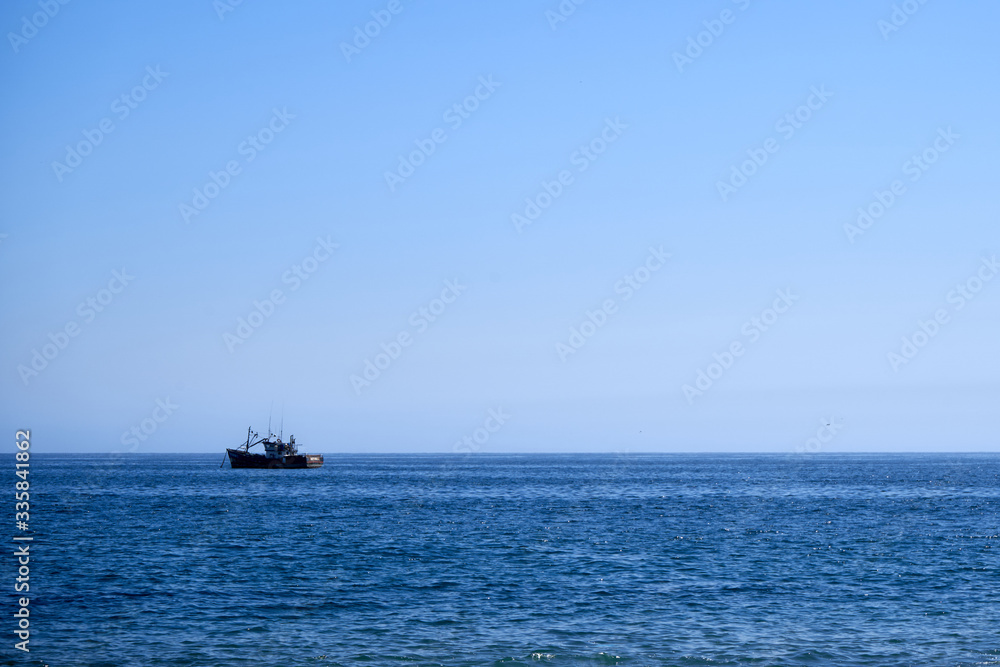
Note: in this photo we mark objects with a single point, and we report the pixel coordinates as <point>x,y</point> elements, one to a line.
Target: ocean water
<point>515,560</point>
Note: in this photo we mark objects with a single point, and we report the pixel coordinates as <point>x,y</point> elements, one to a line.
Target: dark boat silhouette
<point>277,454</point>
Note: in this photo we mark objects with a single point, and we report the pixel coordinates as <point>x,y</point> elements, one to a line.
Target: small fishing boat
<point>277,454</point>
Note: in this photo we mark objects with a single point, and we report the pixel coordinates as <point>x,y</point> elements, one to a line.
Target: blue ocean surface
<point>693,560</point>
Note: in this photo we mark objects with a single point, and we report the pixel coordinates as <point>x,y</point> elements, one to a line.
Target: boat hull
<point>241,459</point>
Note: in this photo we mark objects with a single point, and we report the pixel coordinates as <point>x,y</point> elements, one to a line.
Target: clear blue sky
<point>678,129</point>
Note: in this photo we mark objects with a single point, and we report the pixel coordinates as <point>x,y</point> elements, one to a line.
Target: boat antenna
<point>282,427</point>
<point>269,411</point>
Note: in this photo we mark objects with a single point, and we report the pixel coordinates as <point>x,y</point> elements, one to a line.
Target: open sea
<point>693,560</point>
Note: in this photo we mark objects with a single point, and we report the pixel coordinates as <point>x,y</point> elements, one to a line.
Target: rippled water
<point>497,560</point>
